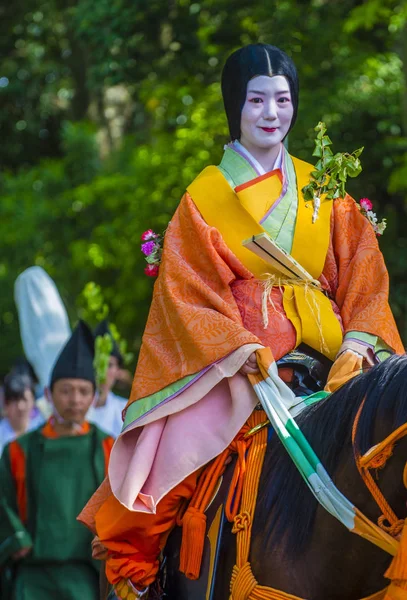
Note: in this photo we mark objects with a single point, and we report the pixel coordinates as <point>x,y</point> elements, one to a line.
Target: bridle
<point>376,458</point>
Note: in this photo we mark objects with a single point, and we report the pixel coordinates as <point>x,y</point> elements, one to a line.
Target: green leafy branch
<point>122,343</point>
<point>95,309</point>
<point>332,170</point>
<point>103,350</point>
<point>92,305</point>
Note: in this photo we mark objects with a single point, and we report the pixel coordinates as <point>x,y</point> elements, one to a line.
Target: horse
<point>296,545</point>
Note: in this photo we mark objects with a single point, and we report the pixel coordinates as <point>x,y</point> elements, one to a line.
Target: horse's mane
<point>286,508</point>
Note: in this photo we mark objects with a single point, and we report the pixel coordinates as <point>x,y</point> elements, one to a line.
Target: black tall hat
<point>104,328</point>
<point>248,62</point>
<point>75,360</point>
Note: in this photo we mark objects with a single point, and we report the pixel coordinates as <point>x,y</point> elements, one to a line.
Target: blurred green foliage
<point>110,109</point>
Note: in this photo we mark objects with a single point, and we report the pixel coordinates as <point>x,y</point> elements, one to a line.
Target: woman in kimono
<point>212,310</point>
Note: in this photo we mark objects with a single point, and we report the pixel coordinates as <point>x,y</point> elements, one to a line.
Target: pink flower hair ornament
<point>151,270</point>
<point>365,206</point>
<point>148,235</point>
<point>152,250</point>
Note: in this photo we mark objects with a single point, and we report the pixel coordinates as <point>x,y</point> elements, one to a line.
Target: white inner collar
<point>261,171</point>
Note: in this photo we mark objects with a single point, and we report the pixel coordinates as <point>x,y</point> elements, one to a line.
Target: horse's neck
<point>334,563</point>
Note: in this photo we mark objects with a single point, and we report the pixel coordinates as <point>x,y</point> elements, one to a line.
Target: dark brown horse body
<point>296,545</point>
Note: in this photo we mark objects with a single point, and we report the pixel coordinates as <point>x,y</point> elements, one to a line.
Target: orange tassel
<point>398,567</point>
<point>192,545</point>
<point>395,592</point>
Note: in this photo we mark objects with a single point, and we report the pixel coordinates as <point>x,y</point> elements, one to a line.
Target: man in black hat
<point>46,477</point>
<point>106,411</point>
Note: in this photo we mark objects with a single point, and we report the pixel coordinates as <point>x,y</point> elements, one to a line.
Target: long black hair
<point>248,62</point>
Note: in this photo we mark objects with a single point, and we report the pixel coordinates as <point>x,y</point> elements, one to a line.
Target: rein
<point>376,458</point>
<point>250,446</point>
<point>243,584</point>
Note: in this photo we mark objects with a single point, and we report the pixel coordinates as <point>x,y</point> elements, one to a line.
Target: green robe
<point>61,475</point>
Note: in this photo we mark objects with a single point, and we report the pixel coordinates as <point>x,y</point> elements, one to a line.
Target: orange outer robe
<point>207,304</point>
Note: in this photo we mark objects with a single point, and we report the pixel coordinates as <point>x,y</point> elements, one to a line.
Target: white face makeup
<point>266,114</point>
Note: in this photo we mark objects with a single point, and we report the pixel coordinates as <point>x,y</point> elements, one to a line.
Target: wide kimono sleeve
<point>194,323</point>
<point>194,320</point>
<point>13,534</point>
<point>359,284</point>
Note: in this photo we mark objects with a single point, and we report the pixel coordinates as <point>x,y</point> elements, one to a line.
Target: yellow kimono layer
<point>188,400</point>
<point>209,281</point>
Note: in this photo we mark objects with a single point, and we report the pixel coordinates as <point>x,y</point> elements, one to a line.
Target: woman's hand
<point>250,366</point>
<point>99,551</point>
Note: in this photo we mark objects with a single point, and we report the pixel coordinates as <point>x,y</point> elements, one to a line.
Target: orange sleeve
<point>192,296</point>
<point>17,467</point>
<point>134,540</point>
<point>362,281</point>
<point>107,445</point>
<point>346,366</point>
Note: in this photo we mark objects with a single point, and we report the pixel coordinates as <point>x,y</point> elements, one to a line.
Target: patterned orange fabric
<point>194,319</point>
<point>206,303</point>
<point>357,276</point>
<point>280,334</point>
<point>17,468</point>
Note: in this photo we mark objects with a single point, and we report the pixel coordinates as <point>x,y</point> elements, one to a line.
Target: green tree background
<point>110,108</point>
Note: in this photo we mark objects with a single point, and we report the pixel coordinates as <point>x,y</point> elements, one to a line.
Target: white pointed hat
<point>44,324</point>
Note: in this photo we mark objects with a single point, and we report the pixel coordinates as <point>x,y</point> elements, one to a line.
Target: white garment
<point>44,324</point>
<point>109,416</point>
<point>7,433</point>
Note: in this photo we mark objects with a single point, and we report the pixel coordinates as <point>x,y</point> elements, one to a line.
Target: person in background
<point>19,411</point>
<point>21,366</point>
<point>106,412</point>
<point>46,476</point>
